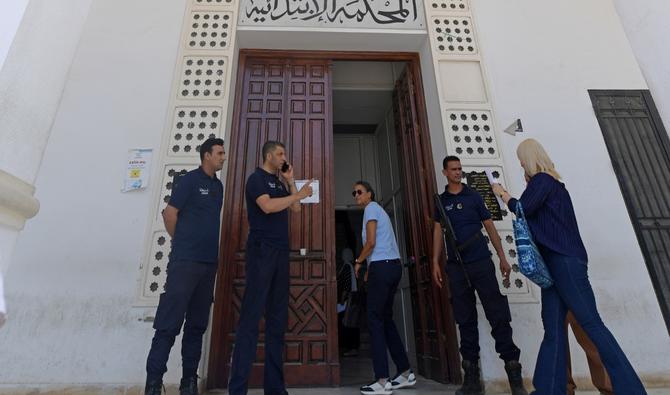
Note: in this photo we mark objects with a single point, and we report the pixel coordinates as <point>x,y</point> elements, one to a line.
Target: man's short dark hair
<point>207,145</point>
<point>270,146</point>
<point>449,158</point>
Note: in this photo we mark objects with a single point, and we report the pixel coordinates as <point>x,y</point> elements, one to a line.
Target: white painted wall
<point>32,81</point>
<point>355,159</point>
<point>31,84</point>
<point>541,60</point>
<point>73,281</point>
<point>647,25</point>
<point>11,12</point>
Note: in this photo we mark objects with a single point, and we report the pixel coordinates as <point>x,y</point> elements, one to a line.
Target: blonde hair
<point>535,159</point>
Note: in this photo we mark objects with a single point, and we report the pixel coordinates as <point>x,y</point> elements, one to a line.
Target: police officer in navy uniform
<point>467,212</point>
<point>269,198</point>
<point>192,218</point>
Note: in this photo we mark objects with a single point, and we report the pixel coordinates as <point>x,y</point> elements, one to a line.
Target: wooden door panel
<point>312,317</point>
<point>433,324</point>
<point>287,100</point>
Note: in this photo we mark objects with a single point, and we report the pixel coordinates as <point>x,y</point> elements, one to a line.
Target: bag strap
<point>519,210</point>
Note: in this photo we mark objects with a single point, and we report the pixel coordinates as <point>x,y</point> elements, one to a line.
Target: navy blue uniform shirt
<point>466,211</point>
<point>551,216</point>
<point>269,228</point>
<point>198,197</point>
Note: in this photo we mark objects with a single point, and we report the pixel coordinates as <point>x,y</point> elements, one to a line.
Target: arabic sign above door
<point>367,14</point>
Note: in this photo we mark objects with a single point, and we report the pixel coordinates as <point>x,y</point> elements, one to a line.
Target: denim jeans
<point>383,280</point>
<point>572,291</point>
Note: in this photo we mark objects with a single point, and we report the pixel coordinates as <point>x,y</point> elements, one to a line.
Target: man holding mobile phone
<point>267,270</point>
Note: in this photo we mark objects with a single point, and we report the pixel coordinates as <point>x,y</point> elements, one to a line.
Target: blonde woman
<point>551,217</point>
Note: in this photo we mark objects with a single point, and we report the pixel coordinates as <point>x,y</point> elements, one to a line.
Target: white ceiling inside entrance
<point>362,91</point>
<point>360,107</point>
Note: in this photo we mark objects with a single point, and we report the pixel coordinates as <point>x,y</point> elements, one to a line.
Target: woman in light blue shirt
<point>384,274</point>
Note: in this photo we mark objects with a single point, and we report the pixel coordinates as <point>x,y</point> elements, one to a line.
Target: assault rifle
<point>449,237</point>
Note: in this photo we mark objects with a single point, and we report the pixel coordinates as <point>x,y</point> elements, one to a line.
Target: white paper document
<point>493,180</point>
<point>315,191</point>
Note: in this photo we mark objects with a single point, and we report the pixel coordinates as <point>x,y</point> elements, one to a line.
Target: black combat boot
<point>513,369</point>
<point>472,383</point>
<point>189,386</point>
<point>153,387</point>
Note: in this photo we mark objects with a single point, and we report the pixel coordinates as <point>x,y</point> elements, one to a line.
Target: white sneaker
<point>401,381</point>
<point>376,388</point>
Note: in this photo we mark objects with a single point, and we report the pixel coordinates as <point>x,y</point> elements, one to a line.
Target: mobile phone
<point>285,167</point>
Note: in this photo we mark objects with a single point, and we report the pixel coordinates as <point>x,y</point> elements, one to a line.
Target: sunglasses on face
<point>357,192</point>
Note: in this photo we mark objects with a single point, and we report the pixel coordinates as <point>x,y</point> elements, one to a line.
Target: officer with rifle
<point>459,215</point>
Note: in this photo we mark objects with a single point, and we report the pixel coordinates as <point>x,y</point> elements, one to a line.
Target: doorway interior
<point>365,148</point>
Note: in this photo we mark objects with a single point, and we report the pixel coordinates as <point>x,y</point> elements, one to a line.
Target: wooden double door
<point>286,96</point>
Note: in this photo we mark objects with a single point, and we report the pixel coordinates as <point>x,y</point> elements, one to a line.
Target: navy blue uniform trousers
<point>189,290</point>
<point>483,279</point>
<point>266,290</point>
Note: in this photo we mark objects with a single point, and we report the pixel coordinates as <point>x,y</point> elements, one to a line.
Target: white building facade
<point>87,80</point>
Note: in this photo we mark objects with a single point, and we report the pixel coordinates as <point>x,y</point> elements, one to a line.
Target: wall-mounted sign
<point>480,183</point>
<point>138,170</point>
<point>384,14</point>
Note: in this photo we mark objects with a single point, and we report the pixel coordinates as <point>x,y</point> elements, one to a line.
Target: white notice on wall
<point>315,191</point>
<point>137,170</point>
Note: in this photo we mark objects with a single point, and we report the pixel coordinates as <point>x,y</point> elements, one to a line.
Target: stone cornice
<point>17,203</point>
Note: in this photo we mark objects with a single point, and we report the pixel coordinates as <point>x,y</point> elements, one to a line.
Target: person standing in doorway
<point>192,219</point>
<point>267,270</point>
<point>599,377</point>
<point>466,211</point>
<point>548,209</point>
<point>384,273</point>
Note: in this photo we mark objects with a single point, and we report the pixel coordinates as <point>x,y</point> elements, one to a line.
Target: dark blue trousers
<point>383,280</point>
<point>572,291</point>
<point>483,279</point>
<point>266,290</point>
<point>188,295</point>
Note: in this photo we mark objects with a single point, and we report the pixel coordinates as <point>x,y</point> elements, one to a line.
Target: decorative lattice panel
<point>449,5</point>
<point>167,183</point>
<point>212,2</point>
<point>203,77</point>
<point>517,284</point>
<point>209,30</point>
<point>454,35</point>
<point>190,127</point>
<point>471,135</point>
<point>154,280</point>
